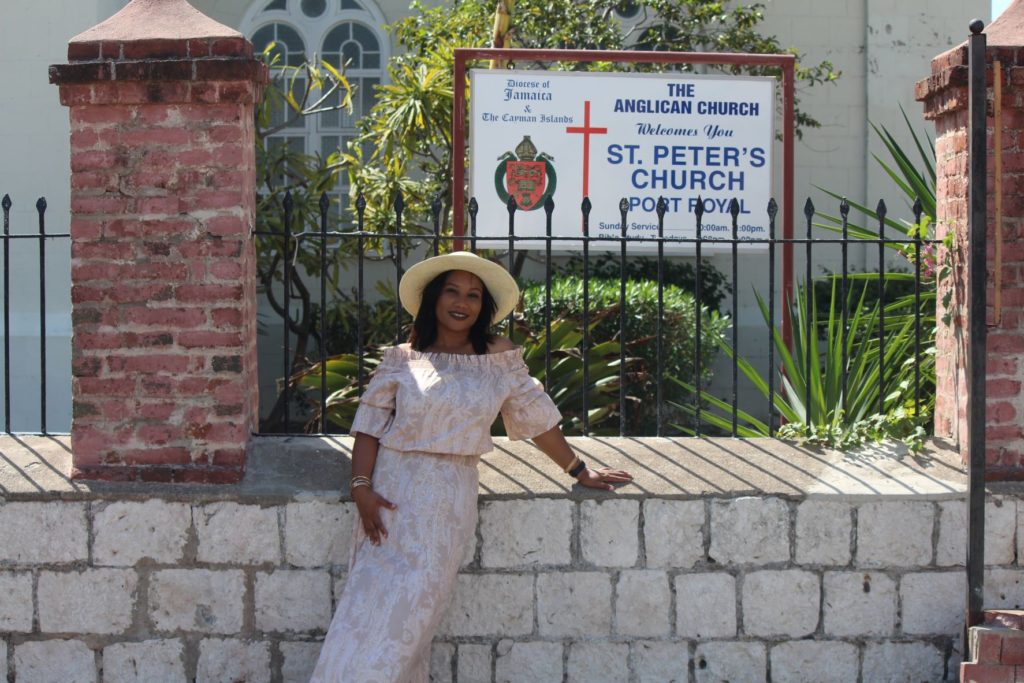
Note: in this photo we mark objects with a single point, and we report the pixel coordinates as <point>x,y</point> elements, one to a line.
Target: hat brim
<point>501,285</point>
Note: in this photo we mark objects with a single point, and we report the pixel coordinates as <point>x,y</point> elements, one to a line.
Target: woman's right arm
<point>368,501</point>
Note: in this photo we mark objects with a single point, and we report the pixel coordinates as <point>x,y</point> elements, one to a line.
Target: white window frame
<point>313,31</point>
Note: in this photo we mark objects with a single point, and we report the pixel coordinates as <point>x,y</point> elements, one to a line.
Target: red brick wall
<point>945,102</point>
<point>163,261</point>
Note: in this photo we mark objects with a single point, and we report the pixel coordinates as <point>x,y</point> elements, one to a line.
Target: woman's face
<point>460,301</point>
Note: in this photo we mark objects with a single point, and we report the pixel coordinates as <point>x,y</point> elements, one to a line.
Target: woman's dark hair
<point>424,328</point>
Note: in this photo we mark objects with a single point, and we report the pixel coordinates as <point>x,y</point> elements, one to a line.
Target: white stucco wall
<point>34,150</point>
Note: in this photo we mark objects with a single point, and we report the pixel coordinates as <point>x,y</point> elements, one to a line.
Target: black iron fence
<point>320,396</point>
<point>39,238</point>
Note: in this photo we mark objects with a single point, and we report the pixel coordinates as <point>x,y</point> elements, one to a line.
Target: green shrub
<point>714,286</point>
<point>678,328</point>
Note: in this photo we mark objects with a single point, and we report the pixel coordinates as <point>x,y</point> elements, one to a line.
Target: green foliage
<point>407,133</point>
<point>714,285</point>
<point>834,417</point>
<point>900,425</point>
<point>898,286</point>
<point>679,324</point>
<point>342,390</point>
<point>294,92</point>
<point>565,383</point>
<point>915,180</point>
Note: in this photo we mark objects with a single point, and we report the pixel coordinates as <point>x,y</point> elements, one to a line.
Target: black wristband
<point>575,471</point>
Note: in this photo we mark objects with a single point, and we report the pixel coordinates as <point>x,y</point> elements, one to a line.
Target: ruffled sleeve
<point>377,405</point>
<point>528,411</point>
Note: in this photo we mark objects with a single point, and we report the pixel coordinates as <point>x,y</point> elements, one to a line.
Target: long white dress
<point>432,414</point>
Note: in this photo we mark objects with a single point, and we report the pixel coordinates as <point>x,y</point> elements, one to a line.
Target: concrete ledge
<point>281,469</point>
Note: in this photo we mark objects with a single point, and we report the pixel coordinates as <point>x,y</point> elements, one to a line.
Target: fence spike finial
<point>549,205</point>
<point>325,203</point>
<point>773,208</point>
<point>586,206</point>
<point>918,209</point>
<point>511,204</point>
<point>288,202</point>
<point>734,208</point>
<point>662,207</point>
<point>844,208</point>
<point>360,203</point>
<point>809,209</point>
<point>435,205</point>
<point>474,207</point>
<point>698,210</point>
<point>6,202</point>
<point>881,209</point>
<point>399,202</point>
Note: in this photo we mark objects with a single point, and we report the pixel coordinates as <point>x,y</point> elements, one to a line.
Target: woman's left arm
<point>554,445</point>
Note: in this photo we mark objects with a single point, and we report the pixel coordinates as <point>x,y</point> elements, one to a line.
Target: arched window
<point>341,32</point>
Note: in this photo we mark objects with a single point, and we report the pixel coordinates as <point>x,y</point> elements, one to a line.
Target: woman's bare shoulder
<point>500,345</point>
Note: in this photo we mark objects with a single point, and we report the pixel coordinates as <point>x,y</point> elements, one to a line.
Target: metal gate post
<point>976,272</point>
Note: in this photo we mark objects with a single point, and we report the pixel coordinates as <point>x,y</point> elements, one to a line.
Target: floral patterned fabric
<point>432,415</point>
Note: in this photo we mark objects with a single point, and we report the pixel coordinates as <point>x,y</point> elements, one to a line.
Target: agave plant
<point>849,384</point>
<point>915,180</point>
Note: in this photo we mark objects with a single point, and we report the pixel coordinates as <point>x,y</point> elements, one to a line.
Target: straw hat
<point>499,283</point>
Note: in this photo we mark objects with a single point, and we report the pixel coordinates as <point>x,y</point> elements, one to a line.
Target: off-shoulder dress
<point>432,414</point>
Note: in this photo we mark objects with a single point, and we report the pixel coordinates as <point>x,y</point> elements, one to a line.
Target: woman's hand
<point>603,478</point>
<point>369,503</point>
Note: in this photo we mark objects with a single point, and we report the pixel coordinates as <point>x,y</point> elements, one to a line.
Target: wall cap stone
<point>282,469</point>
<point>156,20</point>
<point>945,90</point>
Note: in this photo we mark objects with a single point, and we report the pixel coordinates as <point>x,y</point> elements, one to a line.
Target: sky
<point>998,6</point>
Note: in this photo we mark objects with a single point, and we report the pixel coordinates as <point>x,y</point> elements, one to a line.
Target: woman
<point>422,424</point>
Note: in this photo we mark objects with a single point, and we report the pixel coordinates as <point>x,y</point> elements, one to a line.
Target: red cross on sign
<point>586,130</point>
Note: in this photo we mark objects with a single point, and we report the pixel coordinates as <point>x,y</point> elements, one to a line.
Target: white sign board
<point>535,134</point>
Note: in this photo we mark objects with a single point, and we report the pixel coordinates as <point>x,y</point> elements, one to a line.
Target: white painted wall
<point>34,150</point>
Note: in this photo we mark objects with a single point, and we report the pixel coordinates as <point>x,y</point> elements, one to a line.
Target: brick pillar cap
<point>945,91</point>
<point>1008,28</point>
<point>156,20</point>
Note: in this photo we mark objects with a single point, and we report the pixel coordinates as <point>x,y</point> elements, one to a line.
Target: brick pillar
<point>944,95</point>
<point>163,279</point>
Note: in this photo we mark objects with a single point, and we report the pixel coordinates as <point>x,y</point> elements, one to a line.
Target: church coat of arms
<point>526,175</point>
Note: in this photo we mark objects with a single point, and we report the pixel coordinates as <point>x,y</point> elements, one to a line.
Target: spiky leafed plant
<point>867,377</point>
<point>915,180</point>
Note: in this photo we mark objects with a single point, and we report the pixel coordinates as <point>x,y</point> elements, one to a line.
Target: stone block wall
<point>621,589</point>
